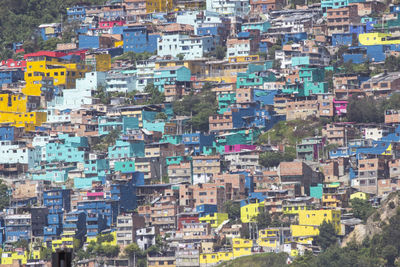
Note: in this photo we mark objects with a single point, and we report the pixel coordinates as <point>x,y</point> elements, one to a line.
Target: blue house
<point>138,39</point>
<point>294,37</point>
<point>8,133</point>
<point>76,13</point>
<point>48,31</point>
<point>9,76</point>
<point>340,39</point>
<point>395,9</point>
<point>100,214</point>
<point>206,209</point>
<point>57,201</point>
<point>215,31</point>
<point>194,142</point>
<point>125,191</point>
<point>264,97</point>
<point>75,221</point>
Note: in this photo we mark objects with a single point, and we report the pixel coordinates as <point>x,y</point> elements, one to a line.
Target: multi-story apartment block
<point>163,213</point>
<point>205,167</point>
<point>340,19</point>
<point>191,47</point>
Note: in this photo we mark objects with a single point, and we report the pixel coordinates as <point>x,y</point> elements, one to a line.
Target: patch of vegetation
<point>199,106</point>
<point>361,208</point>
<point>258,260</point>
<point>292,132</point>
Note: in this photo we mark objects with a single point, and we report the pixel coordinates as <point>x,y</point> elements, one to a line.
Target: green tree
<point>392,63</point>
<point>361,208</point>
<point>109,251</point>
<point>272,159</point>
<point>220,52</point>
<point>365,110</point>
<point>102,95</point>
<point>263,219</point>
<point>45,253</point>
<point>271,51</point>
<point>389,253</point>
<point>200,107</point>
<point>161,116</point>
<point>327,235</point>
<point>51,44</point>
<point>233,210</point>
<point>156,97</point>
<point>105,238</point>
<point>4,195</point>
<point>276,64</point>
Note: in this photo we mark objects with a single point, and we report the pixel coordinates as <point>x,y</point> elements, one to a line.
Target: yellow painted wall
<point>63,74</point>
<point>158,5</point>
<point>9,257</point>
<point>249,212</point>
<point>295,209</point>
<point>214,219</point>
<point>376,38</point>
<point>316,218</point>
<point>208,258</point>
<point>360,195</point>
<point>268,238</point>
<point>119,44</point>
<point>103,62</point>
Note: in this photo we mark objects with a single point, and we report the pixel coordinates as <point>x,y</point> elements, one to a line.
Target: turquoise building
<point>122,124</point>
<point>126,149</point>
<point>67,149</point>
<point>178,75</point>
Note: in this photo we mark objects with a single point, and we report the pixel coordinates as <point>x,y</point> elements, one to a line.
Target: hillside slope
<point>375,222</point>
<point>258,260</point>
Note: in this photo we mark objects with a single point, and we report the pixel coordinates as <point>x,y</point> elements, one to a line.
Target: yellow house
<point>10,257</point>
<point>241,247</point>
<point>208,258</point>
<point>214,219</point>
<point>377,38</point>
<point>317,217</point>
<point>154,6</point>
<point>215,257</point>
<point>196,66</point>
<point>35,253</point>
<point>360,195</point>
<point>112,243</point>
<point>225,255</point>
<point>26,120</point>
<point>294,209</point>
<point>303,239</point>
<point>63,242</point>
<point>119,44</point>
<point>63,73</point>
<point>99,62</point>
<point>249,212</point>
<point>268,238</point>
<point>250,58</point>
<point>304,230</point>
<point>310,220</point>
<point>13,103</point>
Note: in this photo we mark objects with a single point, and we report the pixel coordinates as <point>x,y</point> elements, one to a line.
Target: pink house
<point>95,195</point>
<point>238,148</point>
<point>340,107</point>
<point>104,24</point>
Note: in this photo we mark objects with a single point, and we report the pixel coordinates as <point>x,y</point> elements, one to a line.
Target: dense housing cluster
<point>190,133</point>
